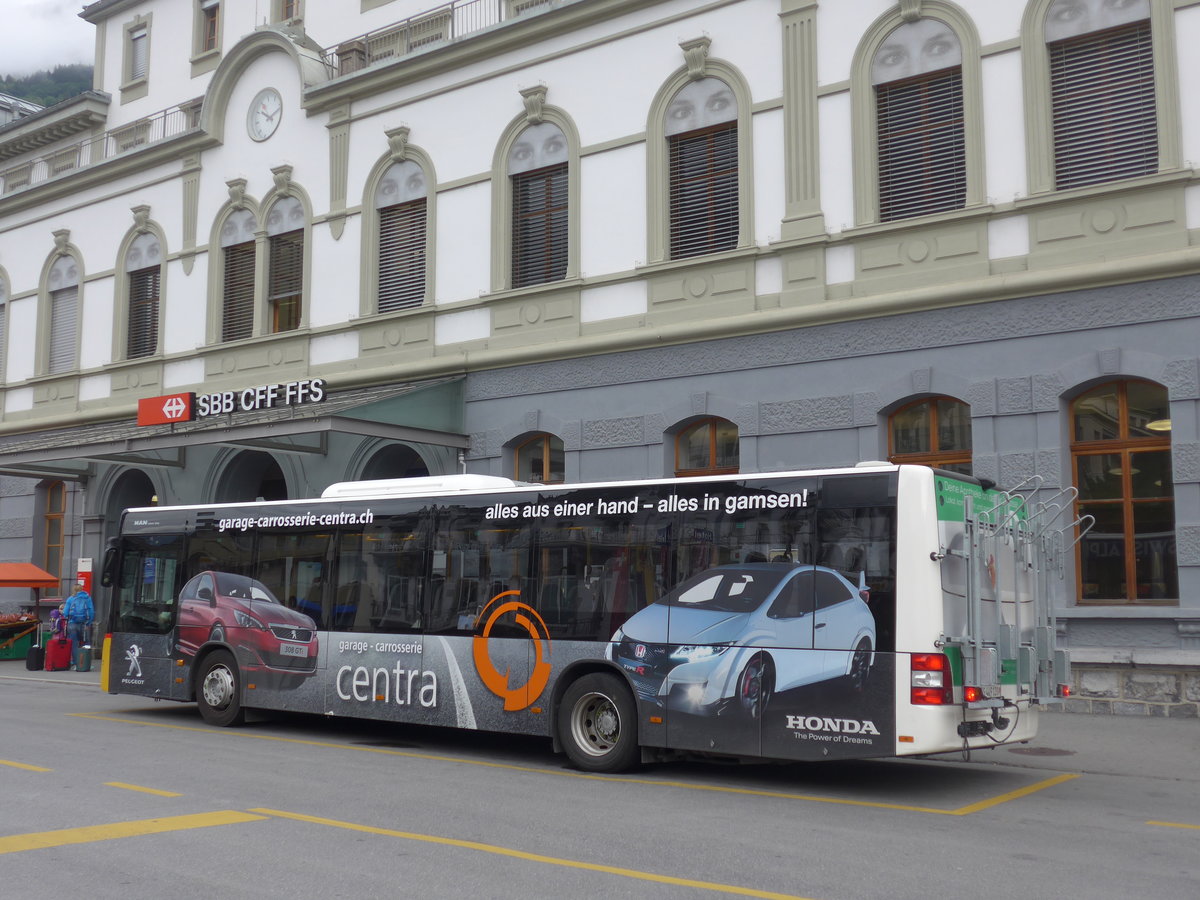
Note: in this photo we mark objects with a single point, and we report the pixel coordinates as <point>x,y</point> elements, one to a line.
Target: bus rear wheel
<point>218,690</point>
<point>597,724</point>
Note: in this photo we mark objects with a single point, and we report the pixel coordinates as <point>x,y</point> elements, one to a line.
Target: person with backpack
<point>79,612</point>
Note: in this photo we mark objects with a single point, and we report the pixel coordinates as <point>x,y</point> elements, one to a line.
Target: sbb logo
<point>166,410</point>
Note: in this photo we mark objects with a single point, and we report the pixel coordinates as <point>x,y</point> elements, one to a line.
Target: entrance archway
<point>395,461</point>
<point>251,475</point>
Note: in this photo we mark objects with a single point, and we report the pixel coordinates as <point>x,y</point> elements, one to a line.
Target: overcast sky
<point>41,34</point>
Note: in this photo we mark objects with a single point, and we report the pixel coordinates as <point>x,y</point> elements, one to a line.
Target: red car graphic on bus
<point>242,613</point>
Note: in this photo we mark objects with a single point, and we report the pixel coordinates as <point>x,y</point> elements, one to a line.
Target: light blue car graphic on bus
<point>733,636</point>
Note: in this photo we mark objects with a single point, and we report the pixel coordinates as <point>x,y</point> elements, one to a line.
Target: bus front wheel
<point>597,724</point>
<point>218,690</point>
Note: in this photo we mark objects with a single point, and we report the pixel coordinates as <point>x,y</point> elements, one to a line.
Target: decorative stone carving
<point>237,192</point>
<point>535,103</point>
<point>910,10</point>
<point>397,139</point>
<point>141,218</point>
<point>282,176</point>
<point>695,52</point>
<point>62,237</point>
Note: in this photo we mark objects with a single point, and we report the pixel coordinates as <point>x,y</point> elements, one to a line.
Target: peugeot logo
<point>640,651</point>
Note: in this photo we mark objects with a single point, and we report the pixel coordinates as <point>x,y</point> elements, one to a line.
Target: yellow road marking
<point>1013,795</point>
<point>533,857</point>
<point>1174,825</point>
<point>89,833</point>
<point>144,790</point>
<point>613,779</point>
<point>17,765</point>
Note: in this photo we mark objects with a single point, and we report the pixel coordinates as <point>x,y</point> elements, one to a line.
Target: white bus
<point>872,611</point>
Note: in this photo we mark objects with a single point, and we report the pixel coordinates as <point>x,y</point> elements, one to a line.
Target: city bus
<point>872,611</point>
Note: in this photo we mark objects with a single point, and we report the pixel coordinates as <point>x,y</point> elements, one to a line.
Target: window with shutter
<point>1103,106</point>
<point>539,173</point>
<point>400,200</point>
<point>238,252</point>
<point>64,315</point>
<point>139,53</point>
<point>285,264</point>
<point>144,274</point>
<point>917,75</point>
<point>702,173</point>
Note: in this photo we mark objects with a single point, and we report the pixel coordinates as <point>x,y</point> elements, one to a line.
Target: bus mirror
<point>108,572</point>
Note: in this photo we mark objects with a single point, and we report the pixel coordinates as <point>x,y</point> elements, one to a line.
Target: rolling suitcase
<point>35,658</point>
<point>83,659</point>
<point>58,654</point>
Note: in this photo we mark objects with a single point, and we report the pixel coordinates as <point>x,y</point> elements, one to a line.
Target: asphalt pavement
<point>1147,746</point>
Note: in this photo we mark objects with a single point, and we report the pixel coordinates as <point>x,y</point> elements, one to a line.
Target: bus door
<point>141,657</point>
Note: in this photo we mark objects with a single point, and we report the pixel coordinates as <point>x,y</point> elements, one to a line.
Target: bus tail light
<point>931,682</point>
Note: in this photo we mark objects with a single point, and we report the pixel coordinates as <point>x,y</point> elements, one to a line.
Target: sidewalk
<point>15,668</point>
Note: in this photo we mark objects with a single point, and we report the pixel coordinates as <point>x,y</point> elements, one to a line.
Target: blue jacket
<point>78,607</point>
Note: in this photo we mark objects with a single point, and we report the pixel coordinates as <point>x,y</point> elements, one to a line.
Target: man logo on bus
<point>521,696</point>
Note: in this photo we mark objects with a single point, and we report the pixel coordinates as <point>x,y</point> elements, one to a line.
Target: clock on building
<point>264,114</point>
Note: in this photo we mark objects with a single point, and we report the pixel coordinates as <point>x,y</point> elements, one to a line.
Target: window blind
<point>539,226</point>
<point>703,192</point>
<point>64,338</point>
<point>237,320</point>
<point>285,255</point>
<point>1103,106</point>
<point>142,336</point>
<point>402,256</point>
<point>139,49</point>
<point>922,145</point>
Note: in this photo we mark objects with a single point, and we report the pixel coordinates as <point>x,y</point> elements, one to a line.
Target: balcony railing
<point>164,124</point>
<point>440,25</point>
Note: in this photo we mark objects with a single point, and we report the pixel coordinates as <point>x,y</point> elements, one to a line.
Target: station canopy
<point>427,412</point>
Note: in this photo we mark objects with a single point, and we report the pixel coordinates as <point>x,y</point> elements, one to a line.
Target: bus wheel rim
<point>218,687</point>
<point>596,724</point>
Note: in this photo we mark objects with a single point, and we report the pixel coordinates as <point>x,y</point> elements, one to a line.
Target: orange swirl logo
<point>520,697</point>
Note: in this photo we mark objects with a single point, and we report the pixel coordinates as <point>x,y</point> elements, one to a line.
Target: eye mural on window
<point>539,172</point>
<point>1071,18</point>
<point>916,48</point>
<point>702,168</point>
<point>400,203</point>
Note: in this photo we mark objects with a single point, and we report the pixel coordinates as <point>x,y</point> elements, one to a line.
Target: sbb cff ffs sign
<point>187,407</point>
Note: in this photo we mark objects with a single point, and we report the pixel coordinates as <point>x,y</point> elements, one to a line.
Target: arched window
<point>238,251</point>
<point>143,271</point>
<point>539,175</point>
<point>285,264</point>
<point>917,76</point>
<point>1121,455</point>
<point>540,459</point>
<point>932,432</point>
<point>1102,97</point>
<point>702,169</point>
<point>400,203</point>
<point>707,446</point>
<point>63,288</point>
